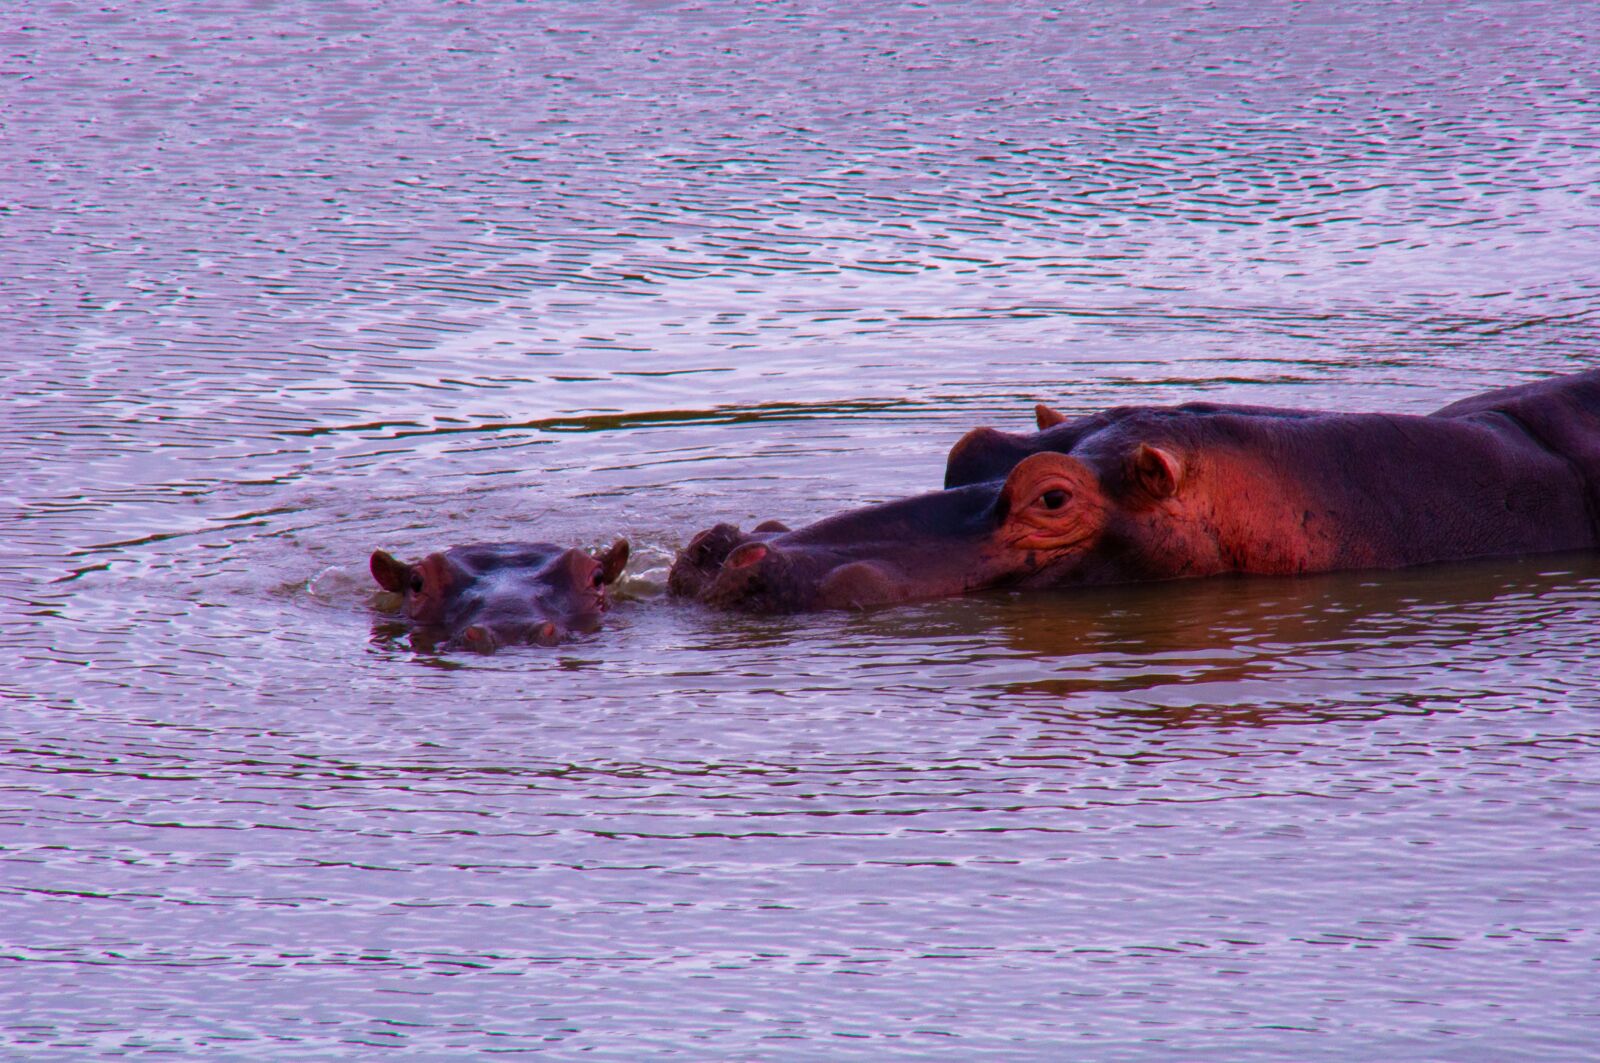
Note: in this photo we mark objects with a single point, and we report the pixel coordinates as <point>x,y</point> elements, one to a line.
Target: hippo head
<point>985,454</point>
<point>492,594</point>
<point>1049,518</point>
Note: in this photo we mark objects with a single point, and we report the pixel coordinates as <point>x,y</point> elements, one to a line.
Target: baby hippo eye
<point>1055,498</point>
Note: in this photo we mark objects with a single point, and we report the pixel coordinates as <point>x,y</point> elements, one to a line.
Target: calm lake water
<point>286,282</point>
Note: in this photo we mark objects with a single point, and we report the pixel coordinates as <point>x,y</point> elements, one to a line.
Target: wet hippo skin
<point>492,594</point>
<point>1155,493</point>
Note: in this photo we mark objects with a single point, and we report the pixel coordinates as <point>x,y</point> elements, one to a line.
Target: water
<point>284,283</point>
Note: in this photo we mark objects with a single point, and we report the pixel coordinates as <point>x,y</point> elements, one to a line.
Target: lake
<point>287,282</point>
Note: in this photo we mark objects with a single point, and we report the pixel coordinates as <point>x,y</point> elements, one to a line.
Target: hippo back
<point>1562,415</point>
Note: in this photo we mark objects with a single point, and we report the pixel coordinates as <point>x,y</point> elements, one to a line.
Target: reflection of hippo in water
<point>1150,493</point>
<point>489,595</point>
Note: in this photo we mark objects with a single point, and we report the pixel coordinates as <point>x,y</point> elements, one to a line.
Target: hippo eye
<point>1055,498</point>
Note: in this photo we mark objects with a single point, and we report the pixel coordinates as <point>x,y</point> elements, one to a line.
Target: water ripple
<point>284,285</point>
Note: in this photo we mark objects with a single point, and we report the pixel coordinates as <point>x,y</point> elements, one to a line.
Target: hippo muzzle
<point>930,546</point>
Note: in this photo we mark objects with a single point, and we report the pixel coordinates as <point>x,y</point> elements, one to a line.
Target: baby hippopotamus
<point>492,594</point>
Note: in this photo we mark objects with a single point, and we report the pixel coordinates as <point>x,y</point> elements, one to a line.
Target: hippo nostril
<point>712,545</point>
<point>480,638</point>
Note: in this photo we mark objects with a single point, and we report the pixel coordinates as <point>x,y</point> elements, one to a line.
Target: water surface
<point>287,282</point>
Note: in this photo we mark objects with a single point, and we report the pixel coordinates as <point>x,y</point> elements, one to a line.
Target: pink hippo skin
<point>493,594</point>
<point>1156,493</point>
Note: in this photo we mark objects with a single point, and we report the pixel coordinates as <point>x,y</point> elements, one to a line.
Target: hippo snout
<point>759,577</point>
<point>941,543</point>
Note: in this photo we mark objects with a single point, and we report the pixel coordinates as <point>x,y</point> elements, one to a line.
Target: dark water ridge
<point>284,283</point>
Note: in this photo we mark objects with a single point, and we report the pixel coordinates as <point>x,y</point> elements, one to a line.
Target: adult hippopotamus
<point>1156,493</point>
<point>492,594</point>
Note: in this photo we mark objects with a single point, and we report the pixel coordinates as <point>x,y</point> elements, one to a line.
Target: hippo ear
<point>391,574</point>
<point>613,561</point>
<point>1158,472</point>
<point>746,554</point>
<point>1046,417</point>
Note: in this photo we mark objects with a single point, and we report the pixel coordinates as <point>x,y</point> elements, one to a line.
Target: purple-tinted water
<point>282,283</point>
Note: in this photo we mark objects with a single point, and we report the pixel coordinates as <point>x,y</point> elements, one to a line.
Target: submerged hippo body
<point>493,594</point>
<point>1154,493</point>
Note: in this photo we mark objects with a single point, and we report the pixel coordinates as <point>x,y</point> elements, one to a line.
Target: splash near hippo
<point>489,595</point>
<point>1158,493</point>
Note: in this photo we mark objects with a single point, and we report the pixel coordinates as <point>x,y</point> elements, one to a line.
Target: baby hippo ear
<point>391,574</point>
<point>613,561</point>
<point>1045,417</point>
<point>1157,471</point>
